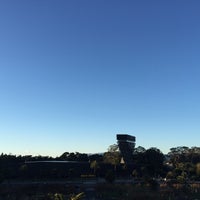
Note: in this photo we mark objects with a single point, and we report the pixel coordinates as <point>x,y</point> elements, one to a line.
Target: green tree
<point>170,175</point>
<point>153,162</point>
<point>94,165</point>
<point>139,149</point>
<point>198,169</point>
<point>112,156</point>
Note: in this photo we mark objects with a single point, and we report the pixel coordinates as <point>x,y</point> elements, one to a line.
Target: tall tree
<point>153,159</point>
<point>112,156</point>
<point>94,165</point>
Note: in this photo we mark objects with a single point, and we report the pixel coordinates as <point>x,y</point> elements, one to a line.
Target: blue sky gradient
<point>73,74</point>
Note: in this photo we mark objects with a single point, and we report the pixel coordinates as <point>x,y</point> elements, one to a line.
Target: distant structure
<point>126,145</point>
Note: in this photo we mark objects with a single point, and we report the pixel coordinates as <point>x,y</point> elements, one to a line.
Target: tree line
<point>181,164</point>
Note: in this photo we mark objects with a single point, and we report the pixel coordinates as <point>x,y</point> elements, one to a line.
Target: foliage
<point>181,164</point>
<point>180,167</point>
<point>58,196</point>
<point>94,165</point>
<point>198,169</point>
<point>113,148</point>
<point>112,156</point>
<point>184,162</point>
<point>139,149</point>
<point>74,156</point>
<point>149,162</point>
<point>77,196</point>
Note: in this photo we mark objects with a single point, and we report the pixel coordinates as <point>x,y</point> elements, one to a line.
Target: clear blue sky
<point>73,74</point>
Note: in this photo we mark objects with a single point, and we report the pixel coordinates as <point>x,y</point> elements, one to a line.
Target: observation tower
<point>126,145</point>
